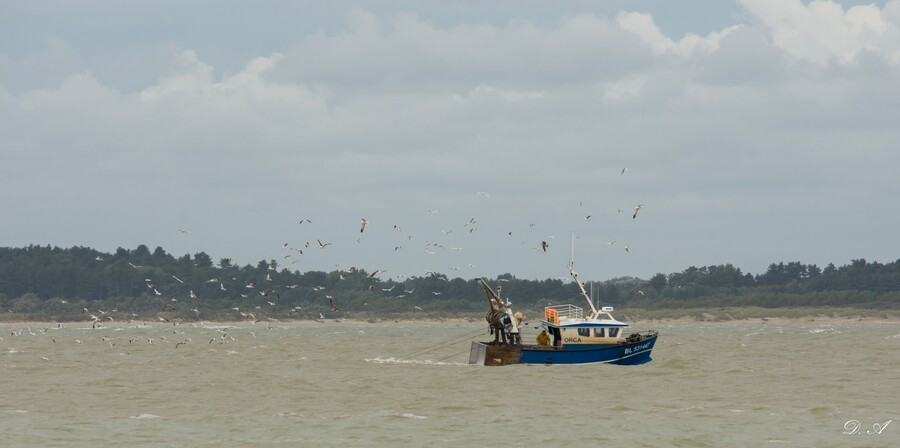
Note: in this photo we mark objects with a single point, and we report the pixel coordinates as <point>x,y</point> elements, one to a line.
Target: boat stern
<point>486,354</point>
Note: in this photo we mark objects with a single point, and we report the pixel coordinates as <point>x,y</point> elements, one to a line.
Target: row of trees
<point>79,282</point>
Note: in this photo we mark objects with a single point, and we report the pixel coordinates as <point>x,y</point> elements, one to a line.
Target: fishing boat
<point>577,337</point>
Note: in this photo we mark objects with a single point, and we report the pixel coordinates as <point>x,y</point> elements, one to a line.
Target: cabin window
<point>584,332</point>
<point>598,332</point>
<point>613,332</point>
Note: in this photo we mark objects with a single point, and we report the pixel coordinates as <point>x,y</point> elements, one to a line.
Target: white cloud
<point>504,94</point>
<point>643,25</point>
<point>628,87</point>
<point>404,53</point>
<point>193,79</point>
<point>196,81</point>
<point>52,62</point>
<point>822,32</point>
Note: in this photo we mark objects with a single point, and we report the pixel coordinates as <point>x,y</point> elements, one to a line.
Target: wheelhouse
<point>568,325</point>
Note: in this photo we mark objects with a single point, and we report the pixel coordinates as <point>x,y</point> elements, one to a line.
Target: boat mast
<point>574,275</point>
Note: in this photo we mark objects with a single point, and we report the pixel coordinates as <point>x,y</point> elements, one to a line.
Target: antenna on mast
<point>574,275</point>
<point>572,251</point>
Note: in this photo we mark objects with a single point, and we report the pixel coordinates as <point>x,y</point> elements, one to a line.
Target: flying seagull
<point>544,246</point>
<point>322,245</point>
<point>362,225</point>
<point>272,292</point>
<point>636,209</point>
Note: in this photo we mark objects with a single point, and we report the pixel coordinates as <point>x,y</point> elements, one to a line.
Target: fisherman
<point>543,338</point>
<point>515,338</point>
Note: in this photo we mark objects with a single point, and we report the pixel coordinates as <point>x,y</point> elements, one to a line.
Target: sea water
<point>750,383</point>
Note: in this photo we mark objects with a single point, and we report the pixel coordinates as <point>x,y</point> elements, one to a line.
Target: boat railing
<point>554,314</point>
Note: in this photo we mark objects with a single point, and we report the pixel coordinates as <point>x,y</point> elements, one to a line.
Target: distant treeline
<point>79,283</point>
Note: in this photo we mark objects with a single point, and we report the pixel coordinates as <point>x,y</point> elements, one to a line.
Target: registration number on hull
<point>637,348</point>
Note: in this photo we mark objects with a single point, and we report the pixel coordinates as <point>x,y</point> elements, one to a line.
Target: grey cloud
<point>741,152</point>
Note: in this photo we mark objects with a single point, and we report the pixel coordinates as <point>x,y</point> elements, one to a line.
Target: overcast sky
<point>465,133</point>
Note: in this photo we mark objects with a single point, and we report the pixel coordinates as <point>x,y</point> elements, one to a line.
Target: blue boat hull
<point>634,353</point>
<point>629,354</point>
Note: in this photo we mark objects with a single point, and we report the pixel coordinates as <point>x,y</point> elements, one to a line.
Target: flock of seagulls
<point>431,248</point>
<point>177,337</point>
<point>271,295</point>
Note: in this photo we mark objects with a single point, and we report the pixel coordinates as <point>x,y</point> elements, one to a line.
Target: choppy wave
<point>408,415</point>
<point>310,386</point>
<point>827,330</point>
<point>144,416</point>
<point>414,361</point>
